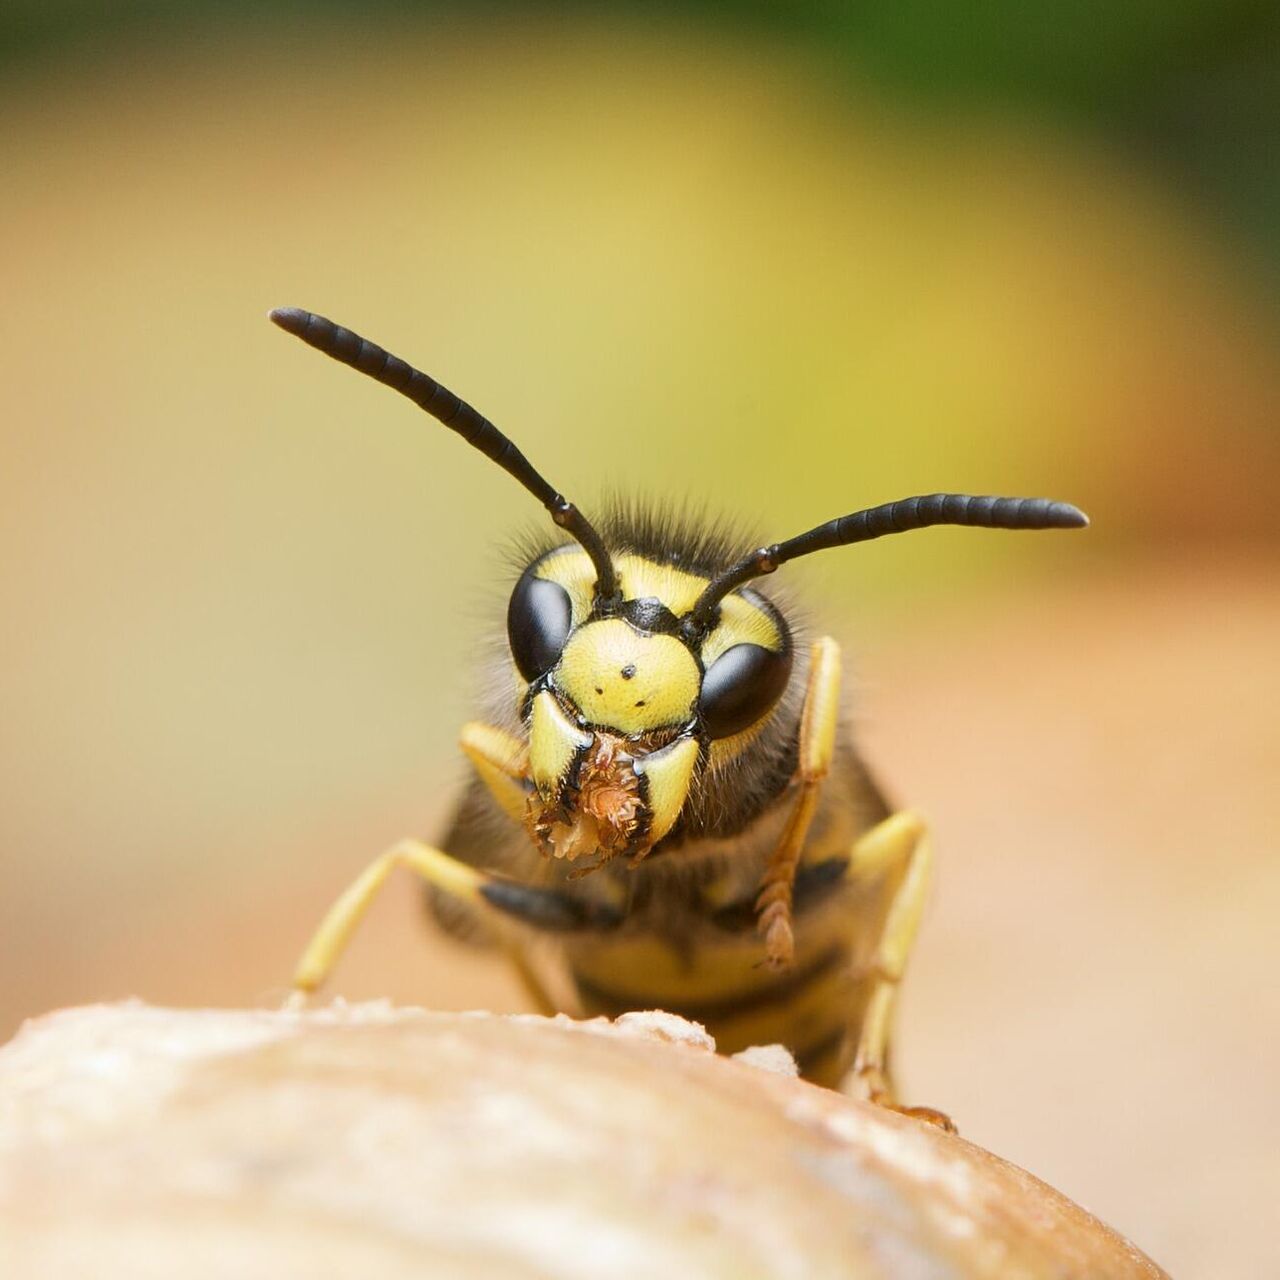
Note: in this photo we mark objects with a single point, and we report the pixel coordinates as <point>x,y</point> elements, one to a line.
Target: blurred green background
<point>786,259</point>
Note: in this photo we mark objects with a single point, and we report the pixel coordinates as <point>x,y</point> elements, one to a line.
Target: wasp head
<point>623,701</point>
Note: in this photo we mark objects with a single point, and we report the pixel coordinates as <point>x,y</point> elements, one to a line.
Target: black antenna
<point>876,522</point>
<point>368,358</point>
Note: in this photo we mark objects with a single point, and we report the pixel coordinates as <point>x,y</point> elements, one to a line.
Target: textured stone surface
<point>367,1139</point>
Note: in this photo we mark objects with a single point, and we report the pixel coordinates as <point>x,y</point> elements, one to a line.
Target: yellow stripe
<point>724,986</point>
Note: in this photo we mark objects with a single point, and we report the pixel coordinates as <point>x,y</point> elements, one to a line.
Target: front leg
<point>330,939</point>
<point>501,762</point>
<point>498,760</point>
<point>818,723</point>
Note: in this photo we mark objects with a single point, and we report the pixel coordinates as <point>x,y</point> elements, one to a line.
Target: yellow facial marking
<point>668,772</point>
<point>725,749</point>
<point>676,588</point>
<point>638,578</point>
<point>553,742</point>
<point>741,621</point>
<point>571,567</point>
<point>631,682</point>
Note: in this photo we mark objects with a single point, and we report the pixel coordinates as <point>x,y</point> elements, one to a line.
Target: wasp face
<point>623,704</point>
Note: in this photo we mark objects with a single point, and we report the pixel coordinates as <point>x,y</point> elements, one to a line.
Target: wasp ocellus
<point>665,784</point>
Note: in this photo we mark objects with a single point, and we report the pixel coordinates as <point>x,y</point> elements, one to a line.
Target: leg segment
<point>547,909</point>
<point>901,841</point>
<point>335,930</point>
<point>502,763</point>
<point>817,746</point>
<point>498,765</point>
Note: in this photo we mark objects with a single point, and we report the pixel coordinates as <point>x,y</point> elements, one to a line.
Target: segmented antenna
<point>368,358</point>
<point>876,522</point>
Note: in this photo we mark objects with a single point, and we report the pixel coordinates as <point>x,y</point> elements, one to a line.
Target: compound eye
<point>538,621</point>
<point>740,686</point>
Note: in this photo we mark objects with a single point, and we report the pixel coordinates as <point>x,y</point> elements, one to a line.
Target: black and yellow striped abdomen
<point>813,1009</point>
<point>686,957</point>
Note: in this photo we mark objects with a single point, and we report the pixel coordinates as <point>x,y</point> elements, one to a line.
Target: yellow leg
<point>340,921</point>
<point>446,874</point>
<point>534,987</point>
<point>502,763</point>
<point>901,841</point>
<point>817,746</point>
<point>499,761</point>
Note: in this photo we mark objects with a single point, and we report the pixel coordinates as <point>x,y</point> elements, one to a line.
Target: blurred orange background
<point>670,255</point>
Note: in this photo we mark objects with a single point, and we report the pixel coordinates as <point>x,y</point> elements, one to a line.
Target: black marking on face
<point>628,671</point>
<point>650,615</point>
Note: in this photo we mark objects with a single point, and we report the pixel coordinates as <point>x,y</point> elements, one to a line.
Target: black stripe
<point>709,1011</point>
<point>548,909</point>
<point>811,1054</point>
<point>814,883</point>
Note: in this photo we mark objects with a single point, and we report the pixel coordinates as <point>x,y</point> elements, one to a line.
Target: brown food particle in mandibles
<point>609,791</point>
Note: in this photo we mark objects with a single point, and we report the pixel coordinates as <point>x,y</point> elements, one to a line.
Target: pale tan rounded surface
<point>388,1142</point>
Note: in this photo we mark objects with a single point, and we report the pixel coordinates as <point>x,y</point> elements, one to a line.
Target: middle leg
<point>898,844</point>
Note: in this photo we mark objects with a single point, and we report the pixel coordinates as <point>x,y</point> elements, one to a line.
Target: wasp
<point>665,785</point>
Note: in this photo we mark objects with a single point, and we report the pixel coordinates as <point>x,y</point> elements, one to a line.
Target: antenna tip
<point>290,319</point>
<point>1070,517</point>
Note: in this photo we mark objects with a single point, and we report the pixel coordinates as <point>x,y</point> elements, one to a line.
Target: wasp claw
<point>929,1115</point>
